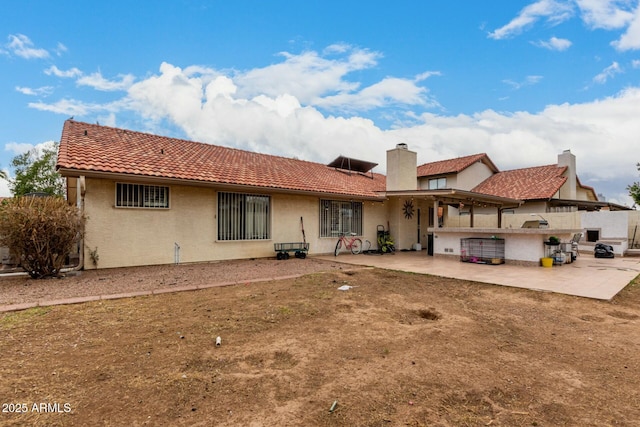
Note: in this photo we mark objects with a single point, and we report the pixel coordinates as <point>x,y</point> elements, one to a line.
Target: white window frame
<point>340,217</point>
<point>141,196</point>
<point>243,216</point>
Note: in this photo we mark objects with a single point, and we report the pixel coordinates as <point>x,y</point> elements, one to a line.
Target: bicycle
<point>353,243</point>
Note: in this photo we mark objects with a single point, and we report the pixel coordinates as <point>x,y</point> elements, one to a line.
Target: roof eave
<point>454,195</point>
<point>588,204</point>
<point>74,173</point>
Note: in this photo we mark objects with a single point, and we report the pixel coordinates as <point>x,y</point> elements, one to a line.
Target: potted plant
<point>553,240</point>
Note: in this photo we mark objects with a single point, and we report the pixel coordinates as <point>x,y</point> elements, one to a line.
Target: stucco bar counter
<point>523,246</point>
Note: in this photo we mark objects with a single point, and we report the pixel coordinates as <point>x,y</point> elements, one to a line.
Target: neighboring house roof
<point>87,149</point>
<point>540,182</point>
<point>456,165</point>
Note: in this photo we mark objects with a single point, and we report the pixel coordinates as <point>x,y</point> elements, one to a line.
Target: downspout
<point>176,253</point>
<point>82,187</point>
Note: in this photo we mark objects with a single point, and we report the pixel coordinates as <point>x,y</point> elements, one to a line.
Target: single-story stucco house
<point>157,200</point>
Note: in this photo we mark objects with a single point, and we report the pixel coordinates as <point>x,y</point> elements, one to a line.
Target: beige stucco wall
<point>465,180</point>
<point>401,169</point>
<point>634,229</point>
<point>403,230</point>
<point>561,220</point>
<point>472,176</point>
<point>557,220</point>
<point>137,236</point>
<point>584,194</point>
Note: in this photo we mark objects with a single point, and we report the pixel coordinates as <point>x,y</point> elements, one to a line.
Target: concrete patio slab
<point>588,277</point>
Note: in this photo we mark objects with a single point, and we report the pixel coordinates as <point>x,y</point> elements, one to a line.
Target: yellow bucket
<point>547,262</point>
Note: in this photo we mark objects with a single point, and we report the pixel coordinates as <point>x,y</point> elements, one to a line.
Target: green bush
<point>40,232</point>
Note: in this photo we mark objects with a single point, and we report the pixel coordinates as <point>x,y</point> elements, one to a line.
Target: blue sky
<point>521,80</point>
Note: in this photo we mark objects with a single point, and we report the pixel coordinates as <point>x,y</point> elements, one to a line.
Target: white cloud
<point>40,91</point>
<point>384,93</point>
<point>605,14</point>
<point>635,63</point>
<point>307,76</point>
<point>426,75</point>
<point>275,109</point>
<point>22,147</point>
<point>108,120</point>
<point>602,134</point>
<point>230,109</point>
<point>20,45</point>
<point>25,90</point>
<point>607,73</point>
<point>70,73</point>
<point>529,81</point>
<point>214,111</point>
<point>554,43</point>
<point>596,14</point>
<point>18,148</point>
<point>72,107</point>
<point>60,49</point>
<point>554,11</point>
<point>336,48</point>
<point>98,82</point>
<point>630,40</point>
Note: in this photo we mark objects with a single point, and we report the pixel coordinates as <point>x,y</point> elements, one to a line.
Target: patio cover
<point>455,197</point>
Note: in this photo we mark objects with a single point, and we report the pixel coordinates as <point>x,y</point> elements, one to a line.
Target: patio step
<point>632,253</point>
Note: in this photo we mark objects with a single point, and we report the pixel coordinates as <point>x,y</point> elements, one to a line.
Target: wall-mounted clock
<point>408,209</point>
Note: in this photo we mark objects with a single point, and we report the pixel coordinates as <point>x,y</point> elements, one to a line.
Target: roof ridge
<point>455,158</point>
<point>534,167</point>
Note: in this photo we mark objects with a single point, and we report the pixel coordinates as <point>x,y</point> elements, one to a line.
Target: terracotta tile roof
<point>540,182</point>
<point>93,148</point>
<point>456,165</point>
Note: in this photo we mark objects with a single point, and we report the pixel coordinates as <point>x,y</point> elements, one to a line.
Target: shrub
<point>40,232</point>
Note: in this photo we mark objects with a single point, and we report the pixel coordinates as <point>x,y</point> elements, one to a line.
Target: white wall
<point>612,225</point>
<point>521,248</point>
<point>616,227</point>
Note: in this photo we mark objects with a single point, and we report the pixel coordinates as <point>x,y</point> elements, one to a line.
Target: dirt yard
<point>395,349</point>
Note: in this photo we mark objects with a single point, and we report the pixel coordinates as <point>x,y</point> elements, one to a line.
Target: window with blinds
<point>243,216</point>
<point>340,217</point>
<point>141,196</point>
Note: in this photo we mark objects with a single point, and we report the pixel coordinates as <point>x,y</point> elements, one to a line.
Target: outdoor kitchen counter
<point>524,245</point>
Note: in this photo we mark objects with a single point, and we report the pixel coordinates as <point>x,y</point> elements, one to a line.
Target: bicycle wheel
<point>366,246</point>
<point>356,246</point>
<point>338,246</point>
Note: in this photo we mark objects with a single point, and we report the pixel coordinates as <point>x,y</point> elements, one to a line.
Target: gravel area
<point>108,282</point>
